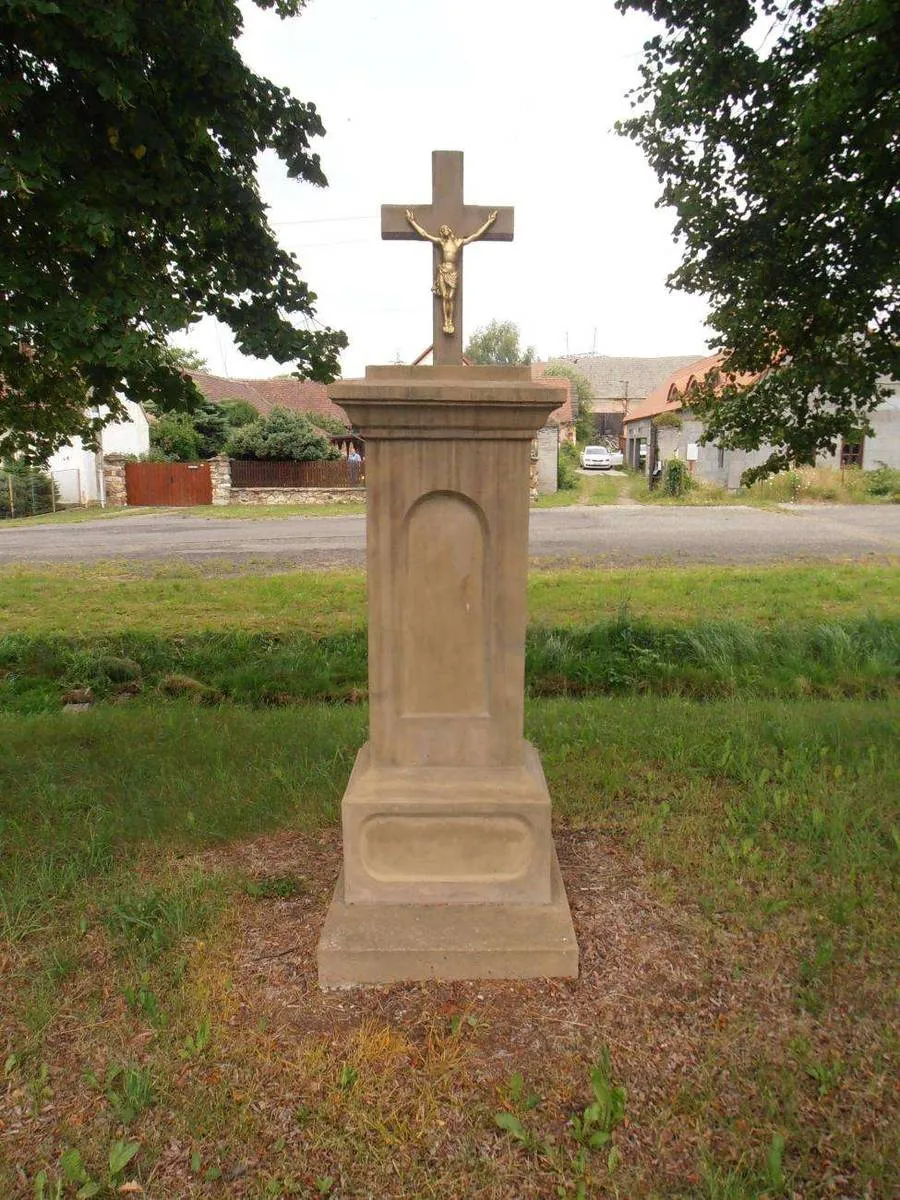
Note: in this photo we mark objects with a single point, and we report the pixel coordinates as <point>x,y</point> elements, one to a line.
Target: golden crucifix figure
<point>447,274</point>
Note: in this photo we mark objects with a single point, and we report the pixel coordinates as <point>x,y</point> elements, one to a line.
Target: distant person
<point>354,462</point>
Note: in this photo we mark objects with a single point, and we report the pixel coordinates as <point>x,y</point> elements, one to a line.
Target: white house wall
<point>75,468</point>
<point>131,436</point>
<point>74,471</point>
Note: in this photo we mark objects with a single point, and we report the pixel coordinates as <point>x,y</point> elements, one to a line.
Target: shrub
<point>33,490</point>
<point>239,413</point>
<point>676,480</point>
<point>174,438</point>
<point>884,481</point>
<point>566,477</point>
<point>283,435</point>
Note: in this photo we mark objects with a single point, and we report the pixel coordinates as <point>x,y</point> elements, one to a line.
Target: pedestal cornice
<point>448,402</point>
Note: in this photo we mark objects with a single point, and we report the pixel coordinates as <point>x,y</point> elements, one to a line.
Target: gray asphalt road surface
<point>611,534</point>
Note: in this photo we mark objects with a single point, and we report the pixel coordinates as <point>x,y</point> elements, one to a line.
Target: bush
<point>239,413</point>
<point>174,438</point>
<point>884,481</point>
<point>566,477</point>
<point>676,479</point>
<point>282,436</point>
<point>32,491</point>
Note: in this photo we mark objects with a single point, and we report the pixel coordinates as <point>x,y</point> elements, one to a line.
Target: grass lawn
<point>730,856</point>
<point>244,512</point>
<point>77,516</point>
<point>590,490</point>
<point>179,599</point>
<point>259,512</point>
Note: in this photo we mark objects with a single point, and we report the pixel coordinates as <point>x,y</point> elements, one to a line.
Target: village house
<point>663,427</point>
<point>618,384</point>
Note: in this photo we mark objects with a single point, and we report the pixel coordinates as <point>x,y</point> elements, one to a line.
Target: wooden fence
<point>270,474</point>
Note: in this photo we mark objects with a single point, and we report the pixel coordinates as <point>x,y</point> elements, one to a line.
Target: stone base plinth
<point>395,943</point>
<point>439,835</point>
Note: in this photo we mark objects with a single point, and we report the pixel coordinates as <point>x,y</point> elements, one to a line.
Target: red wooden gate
<point>175,484</point>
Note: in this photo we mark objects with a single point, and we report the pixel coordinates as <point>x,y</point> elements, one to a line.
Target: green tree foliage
<point>774,128</point>
<point>582,399</point>
<point>281,435</point>
<point>174,437</point>
<point>498,342</point>
<point>186,437</point>
<point>329,424</point>
<point>186,359</point>
<point>129,136</point>
<point>239,412</point>
<point>213,428</point>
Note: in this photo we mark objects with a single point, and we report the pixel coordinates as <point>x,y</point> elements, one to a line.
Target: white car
<point>600,459</point>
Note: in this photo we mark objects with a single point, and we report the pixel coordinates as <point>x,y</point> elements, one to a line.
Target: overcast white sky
<point>530,92</point>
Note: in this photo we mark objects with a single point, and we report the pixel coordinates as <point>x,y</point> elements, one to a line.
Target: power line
<point>323,220</point>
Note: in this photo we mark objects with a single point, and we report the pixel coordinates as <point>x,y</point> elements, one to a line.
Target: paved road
<point>602,535</point>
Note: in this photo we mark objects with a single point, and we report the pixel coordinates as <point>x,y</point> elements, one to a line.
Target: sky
<point>530,92</point>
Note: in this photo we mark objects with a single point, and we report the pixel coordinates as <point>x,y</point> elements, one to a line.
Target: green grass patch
<point>749,802</point>
<point>589,489</point>
<point>246,512</point>
<point>705,659</point>
<point>174,599</point>
<point>259,512</point>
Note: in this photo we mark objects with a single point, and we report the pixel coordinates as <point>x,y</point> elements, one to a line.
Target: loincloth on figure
<point>445,280</point>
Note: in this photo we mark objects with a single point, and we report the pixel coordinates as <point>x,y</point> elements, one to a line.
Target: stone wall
<point>115,489</point>
<point>548,459</point>
<point>293,496</point>
<point>220,477</point>
<point>224,493</point>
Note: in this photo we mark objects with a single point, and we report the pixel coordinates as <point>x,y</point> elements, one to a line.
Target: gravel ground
<point>605,534</point>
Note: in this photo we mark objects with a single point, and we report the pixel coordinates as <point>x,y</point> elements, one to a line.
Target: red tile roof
<point>298,395</point>
<point>669,396</point>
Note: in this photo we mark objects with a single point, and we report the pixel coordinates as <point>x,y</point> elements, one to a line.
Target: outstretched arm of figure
<point>410,216</point>
<point>473,237</point>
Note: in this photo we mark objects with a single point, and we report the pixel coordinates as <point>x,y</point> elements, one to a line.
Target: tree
<point>186,358</point>
<point>774,128</point>
<point>498,342</point>
<point>281,435</point>
<point>583,398</point>
<point>213,428</point>
<point>129,134</point>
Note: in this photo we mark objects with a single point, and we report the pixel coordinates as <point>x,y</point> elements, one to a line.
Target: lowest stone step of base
<point>393,943</point>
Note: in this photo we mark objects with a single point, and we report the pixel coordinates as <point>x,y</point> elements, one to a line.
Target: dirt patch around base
<point>701,1020</point>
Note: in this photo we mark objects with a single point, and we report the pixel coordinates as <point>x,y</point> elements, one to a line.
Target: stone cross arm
<point>447,211</point>
<point>469,217</point>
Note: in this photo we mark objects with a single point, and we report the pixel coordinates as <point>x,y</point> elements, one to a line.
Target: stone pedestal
<point>449,867</point>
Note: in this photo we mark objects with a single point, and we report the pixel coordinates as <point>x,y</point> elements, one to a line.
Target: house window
<point>852,453</point>
<point>720,457</point>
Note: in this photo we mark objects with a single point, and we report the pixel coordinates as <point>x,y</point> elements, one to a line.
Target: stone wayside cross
<point>447,212</point>
<point>449,868</point>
